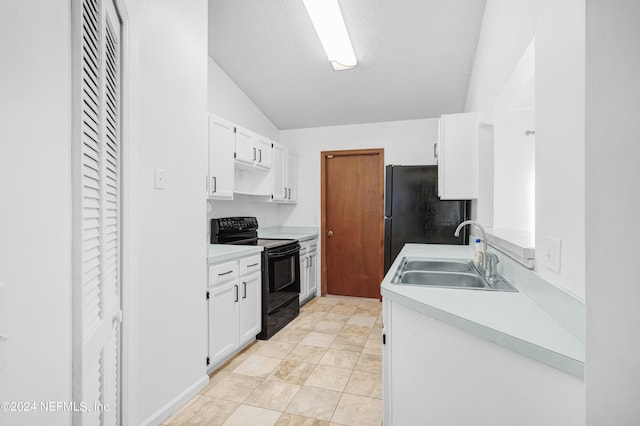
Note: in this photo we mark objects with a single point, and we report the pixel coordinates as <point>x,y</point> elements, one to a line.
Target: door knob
<point>330,233</point>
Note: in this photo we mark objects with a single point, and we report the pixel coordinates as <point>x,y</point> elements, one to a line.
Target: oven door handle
<point>284,254</point>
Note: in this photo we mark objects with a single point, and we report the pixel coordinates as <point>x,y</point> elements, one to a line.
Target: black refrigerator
<point>414,213</point>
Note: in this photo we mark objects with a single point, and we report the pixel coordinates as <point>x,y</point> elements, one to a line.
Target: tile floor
<point>323,368</point>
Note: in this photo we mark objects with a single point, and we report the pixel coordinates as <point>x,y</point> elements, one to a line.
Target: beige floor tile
<point>370,363</point>
<point>373,347</point>
<point>276,349</point>
<point>355,410</point>
<point>340,358</point>
<point>331,378</point>
<point>368,311</point>
<point>306,353</point>
<point>213,379</point>
<point>329,327</point>
<point>272,394</point>
<point>326,300</point>
<point>290,335</point>
<point>322,340</point>
<point>336,317</point>
<point>362,320</point>
<point>317,307</point>
<point>314,403</point>
<point>293,372</point>
<point>234,387</point>
<point>343,309</point>
<point>376,333</point>
<point>356,330</point>
<point>254,416</point>
<point>257,366</point>
<point>287,419</point>
<point>365,384</point>
<point>205,411</point>
<point>349,343</point>
<point>304,323</point>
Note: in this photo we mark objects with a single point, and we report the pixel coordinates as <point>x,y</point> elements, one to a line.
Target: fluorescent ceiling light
<point>329,24</point>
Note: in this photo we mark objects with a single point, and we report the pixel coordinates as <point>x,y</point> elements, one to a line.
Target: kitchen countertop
<point>510,319</point>
<point>223,252</point>
<point>300,233</point>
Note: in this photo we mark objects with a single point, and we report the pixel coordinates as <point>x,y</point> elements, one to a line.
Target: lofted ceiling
<point>414,59</point>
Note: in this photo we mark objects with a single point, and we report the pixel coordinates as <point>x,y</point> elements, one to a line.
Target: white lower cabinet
<point>308,270</point>
<point>234,296</point>
<point>431,369</point>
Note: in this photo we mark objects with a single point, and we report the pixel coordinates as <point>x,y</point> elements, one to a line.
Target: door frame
<point>323,208</point>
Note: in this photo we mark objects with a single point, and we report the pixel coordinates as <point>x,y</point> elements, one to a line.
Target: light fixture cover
<point>329,24</point>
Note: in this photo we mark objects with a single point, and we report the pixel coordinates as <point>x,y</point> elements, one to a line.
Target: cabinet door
<point>250,306</point>
<point>223,320</point>
<point>264,153</point>
<point>312,274</point>
<point>458,159</point>
<point>278,171</point>
<point>292,177</point>
<point>221,147</point>
<point>246,150</point>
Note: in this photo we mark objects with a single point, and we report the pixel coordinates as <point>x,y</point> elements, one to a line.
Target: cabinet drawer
<point>313,246</point>
<point>304,247</point>
<point>250,264</point>
<point>223,272</point>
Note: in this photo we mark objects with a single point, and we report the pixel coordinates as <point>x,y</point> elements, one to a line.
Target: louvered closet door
<point>97,280</point>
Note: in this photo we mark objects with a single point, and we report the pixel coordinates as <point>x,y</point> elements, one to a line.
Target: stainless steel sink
<point>446,273</point>
<point>439,265</point>
<point>440,279</point>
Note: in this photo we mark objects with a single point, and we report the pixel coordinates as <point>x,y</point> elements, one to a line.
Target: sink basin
<point>446,273</point>
<point>440,279</point>
<point>439,265</point>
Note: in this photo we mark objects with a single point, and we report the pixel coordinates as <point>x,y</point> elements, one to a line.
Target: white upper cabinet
<point>279,173</point>
<point>457,155</point>
<point>285,174</point>
<point>246,150</point>
<point>252,149</point>
<point>292,177</point>
<point>263,157</point>
<point>220,181</point>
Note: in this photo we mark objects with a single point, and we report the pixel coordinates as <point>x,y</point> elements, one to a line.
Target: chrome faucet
<point>489,260</point>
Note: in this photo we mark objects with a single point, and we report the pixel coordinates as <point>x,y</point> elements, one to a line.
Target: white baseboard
<point>174,405</point>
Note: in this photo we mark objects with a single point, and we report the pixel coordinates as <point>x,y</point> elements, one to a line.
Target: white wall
<point>558,28</point>
<point>405,143</point>
<point>612,204</point>
<point>228,101</point>
<point>560,136</point>
<point>35,209</point>
<point>168,122</point>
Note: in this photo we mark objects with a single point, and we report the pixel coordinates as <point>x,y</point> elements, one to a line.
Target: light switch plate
<point>554,254</point>
<point>160,179</point>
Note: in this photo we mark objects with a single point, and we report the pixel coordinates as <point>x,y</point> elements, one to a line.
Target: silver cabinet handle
<point>254,154</point>
<point>244,289</point>
<point>259,156</point>
<point>235,288</point>
<point>252,265</point>
<point>435,150</point>
<point>225,273</point>
<point>214,185</point>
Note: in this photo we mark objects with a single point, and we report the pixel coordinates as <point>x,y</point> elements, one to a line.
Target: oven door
<point>283,265</point>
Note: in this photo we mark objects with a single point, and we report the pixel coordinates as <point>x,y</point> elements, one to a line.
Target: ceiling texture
<point>414,59</point>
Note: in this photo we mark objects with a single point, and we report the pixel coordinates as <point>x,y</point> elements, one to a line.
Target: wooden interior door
<point>352,222</point>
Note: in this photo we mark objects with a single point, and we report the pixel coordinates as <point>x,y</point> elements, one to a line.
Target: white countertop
<point>300,233</point>
<point>510,319</point>
<point>223,252</point>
